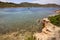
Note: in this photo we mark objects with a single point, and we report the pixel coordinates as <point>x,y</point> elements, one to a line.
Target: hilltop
<point>25,4</point>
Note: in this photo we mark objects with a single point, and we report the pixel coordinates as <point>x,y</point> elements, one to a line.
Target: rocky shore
<point>49,32</point>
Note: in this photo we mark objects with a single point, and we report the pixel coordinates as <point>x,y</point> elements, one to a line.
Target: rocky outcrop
<point>57,11</point>
<point>49,32</point>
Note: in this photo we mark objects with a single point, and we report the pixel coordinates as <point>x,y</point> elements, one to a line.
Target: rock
<point>57,11</point>
<point>38,21</point>
<point>49,32</point>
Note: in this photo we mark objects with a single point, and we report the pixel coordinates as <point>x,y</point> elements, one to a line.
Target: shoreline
<point>29,7</point>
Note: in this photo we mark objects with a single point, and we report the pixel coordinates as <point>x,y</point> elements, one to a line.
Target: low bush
<point>55,20</point>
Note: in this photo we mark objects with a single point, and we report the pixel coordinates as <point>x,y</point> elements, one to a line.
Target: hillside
<point>25,4</point>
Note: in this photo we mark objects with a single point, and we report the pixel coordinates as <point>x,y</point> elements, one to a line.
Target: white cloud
<point>47,1</point>
<point>3,0</point>
<point>35,1</point>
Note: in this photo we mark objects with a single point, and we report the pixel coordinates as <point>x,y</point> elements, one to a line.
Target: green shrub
<point>55,20</point>
<point>30,38</point>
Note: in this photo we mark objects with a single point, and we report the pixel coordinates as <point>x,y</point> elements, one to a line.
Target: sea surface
<point>21,17</point>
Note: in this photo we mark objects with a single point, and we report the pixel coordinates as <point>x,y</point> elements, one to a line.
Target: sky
<point>34,1</point>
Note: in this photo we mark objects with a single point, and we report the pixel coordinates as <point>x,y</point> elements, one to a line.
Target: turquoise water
<point>21,17</point>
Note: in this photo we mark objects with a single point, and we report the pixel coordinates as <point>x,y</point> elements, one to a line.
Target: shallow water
<point>19,17</point>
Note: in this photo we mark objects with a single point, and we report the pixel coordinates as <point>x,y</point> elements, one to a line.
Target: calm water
<point>21,16</point>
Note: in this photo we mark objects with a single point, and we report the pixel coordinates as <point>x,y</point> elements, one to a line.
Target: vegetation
<point>30,38</point>
<point>25,4</point>
<point>55,20</point>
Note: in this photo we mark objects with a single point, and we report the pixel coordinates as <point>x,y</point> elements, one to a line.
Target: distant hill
<point>25,4</point>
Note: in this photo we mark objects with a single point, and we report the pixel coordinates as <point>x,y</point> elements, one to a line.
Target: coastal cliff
<point>49,32</point>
